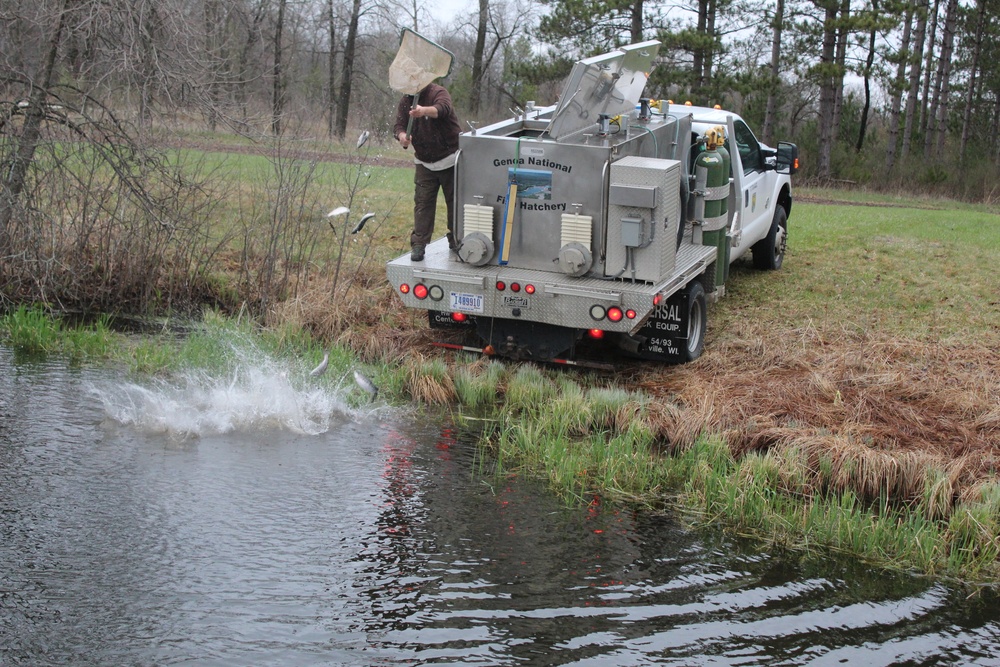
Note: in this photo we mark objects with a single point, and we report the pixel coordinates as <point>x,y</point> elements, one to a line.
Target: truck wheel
<point>769,252</point>
<point>697,322</point>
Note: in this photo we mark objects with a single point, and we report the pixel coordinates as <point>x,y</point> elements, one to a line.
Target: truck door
<point>750,196</point>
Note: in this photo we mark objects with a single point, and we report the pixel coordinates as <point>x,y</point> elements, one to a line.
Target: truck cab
<point>760,183</point>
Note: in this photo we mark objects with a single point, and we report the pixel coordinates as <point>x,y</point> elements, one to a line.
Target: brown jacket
<point>433,139</point>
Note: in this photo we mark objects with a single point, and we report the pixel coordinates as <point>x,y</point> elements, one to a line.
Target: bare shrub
<point>100,221</point>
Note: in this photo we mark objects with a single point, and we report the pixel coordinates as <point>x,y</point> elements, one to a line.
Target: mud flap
<point>675,333</point>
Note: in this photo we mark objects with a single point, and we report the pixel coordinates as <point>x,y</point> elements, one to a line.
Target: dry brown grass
<point>367,318</point>
<point>428,381</point>
<point>875,414</point>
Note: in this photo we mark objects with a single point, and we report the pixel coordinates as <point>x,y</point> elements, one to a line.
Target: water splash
<point>255,393</point>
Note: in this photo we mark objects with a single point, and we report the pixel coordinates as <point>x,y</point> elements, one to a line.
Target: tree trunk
<point>897,89</point>
<point>478,68</point>
<point>973,73</point>
<point>277,74</point>
<point>775,79</point>
<point>331,67</point>
<point>146,20</point>
<point>698,57</point>
<point>706,77</point>
<point>827,90</point>
<point>995,129</point>
<point>843,35</point>
<point>942,81</point>
<point>253,23</point>
<point>926,111</point>
<point>868,81</point>
<point>916,58</point>
<point>213,48</point>
<point>15,174</point>
<point>347,74</point>
<point>637,21</point>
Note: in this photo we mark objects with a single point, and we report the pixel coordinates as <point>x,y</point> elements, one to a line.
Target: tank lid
<point>611,84</point>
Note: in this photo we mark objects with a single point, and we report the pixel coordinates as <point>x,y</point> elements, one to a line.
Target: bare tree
<point>774,68</point>
<point>477,57</point>
<point>937,126</point>
<point>22,154</point>
<point>331,63</point>
<point>914,88</point>
<point>928,106</point>
<point>277,73</point>
<point>898,84</point>
<point>347,70</point>
<point>973,73</point>
<point>827,71</point>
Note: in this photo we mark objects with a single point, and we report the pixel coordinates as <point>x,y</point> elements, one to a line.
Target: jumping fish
<point>359,377</point>
<point>366,384</point>
<point>319,370</point>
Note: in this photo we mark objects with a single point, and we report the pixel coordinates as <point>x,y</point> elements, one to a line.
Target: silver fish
<point>319,370</point>
<point>365,218</point>
<point>366,384</point>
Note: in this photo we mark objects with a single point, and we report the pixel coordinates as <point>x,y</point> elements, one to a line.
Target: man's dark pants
<point>425,193</point>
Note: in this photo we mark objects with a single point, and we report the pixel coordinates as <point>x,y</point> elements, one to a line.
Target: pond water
<point>251,520</point>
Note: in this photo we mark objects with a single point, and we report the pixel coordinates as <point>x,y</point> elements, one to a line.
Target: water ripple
<point>249,519</point>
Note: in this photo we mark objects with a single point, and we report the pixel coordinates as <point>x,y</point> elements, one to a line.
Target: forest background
<point>99,209</point>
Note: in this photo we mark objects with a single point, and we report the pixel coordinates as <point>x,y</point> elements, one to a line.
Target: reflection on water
<point>247,520</point>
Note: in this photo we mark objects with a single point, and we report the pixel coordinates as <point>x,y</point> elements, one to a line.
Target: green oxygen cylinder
<point>727,162</point>
<point>711,165</point>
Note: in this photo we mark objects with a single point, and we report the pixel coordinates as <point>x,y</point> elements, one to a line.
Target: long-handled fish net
<point>417,63</point>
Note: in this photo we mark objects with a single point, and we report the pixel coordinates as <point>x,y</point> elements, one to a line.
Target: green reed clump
<point>625,465</point>
<point>569,413</point>
<point>93,341</point>
<point>478,385</point>
<point>530,391</point>
<point>770,495</point>
<point>152,356</point>
<point>32,331</point>
<point>614,408</point>
<point>974,532</point>
<point>583,441</point>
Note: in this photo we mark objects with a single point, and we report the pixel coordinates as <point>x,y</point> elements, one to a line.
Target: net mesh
<point>418,62</point>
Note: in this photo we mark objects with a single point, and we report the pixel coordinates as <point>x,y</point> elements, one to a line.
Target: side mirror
<point>787,158</point>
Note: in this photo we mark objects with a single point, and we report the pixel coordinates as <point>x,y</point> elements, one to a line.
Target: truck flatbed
<point>442,267</point>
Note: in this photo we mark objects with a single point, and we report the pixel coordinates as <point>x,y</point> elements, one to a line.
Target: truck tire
<point>697,322</point>
<point>769,252</point>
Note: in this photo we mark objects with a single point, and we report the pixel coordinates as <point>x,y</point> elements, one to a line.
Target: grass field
<point>850,400</point>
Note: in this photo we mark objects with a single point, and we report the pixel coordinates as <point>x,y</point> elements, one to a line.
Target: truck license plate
<point>467,303</point>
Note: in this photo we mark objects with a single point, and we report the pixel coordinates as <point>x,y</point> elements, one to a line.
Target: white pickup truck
<point>606,217</point>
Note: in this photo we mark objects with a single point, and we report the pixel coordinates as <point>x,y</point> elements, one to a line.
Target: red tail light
<point>420,291</point>
<point>615,314</point>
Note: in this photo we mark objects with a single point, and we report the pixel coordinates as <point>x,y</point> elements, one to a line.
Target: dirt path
<point>289,150</point>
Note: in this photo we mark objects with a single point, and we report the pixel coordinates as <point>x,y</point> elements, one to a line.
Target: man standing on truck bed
<point>434,135</point>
